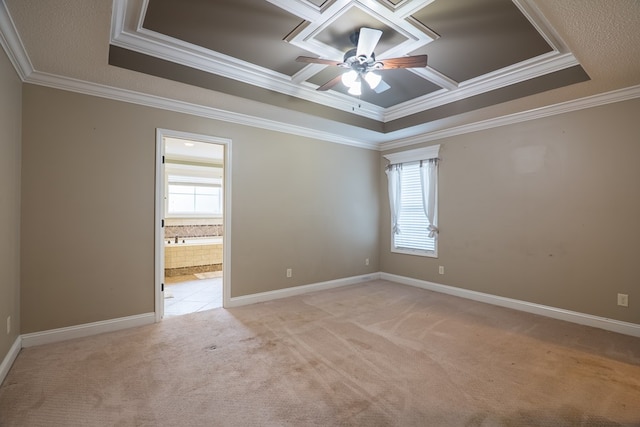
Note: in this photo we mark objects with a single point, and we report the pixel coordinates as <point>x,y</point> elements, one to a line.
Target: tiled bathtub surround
<point>192,230</point>
<point>195,269</point>
<point>181,259</point>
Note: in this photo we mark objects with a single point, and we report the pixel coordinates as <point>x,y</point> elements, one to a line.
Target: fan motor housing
<point>361,63</point>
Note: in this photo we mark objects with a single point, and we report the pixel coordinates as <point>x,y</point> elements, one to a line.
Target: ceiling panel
<point>338,33</point>
<point>249,30</point>
<point>478,37</point>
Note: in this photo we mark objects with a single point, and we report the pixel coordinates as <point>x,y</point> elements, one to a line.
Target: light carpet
<point>374,354</point>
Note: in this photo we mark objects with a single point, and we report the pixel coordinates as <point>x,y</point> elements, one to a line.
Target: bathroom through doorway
<point>191,245</point>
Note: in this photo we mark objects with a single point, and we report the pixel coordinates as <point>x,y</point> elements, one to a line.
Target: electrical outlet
<point>289,272</point>
<point>8,325</point>
<point>441,269</point>
<point>366,261</point>
<point>623,300</point>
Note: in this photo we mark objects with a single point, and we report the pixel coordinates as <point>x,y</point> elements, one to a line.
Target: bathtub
<point>213,240</point>
<point>192,255</point>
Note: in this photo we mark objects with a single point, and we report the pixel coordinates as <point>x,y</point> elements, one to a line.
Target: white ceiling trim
<point>416,34</point>
<point>558,59</point>
<point>127,32</point>
<point>436,77</point>
<point>387,143</point>
<point>536,67</point>
<point>619,95</point>
<point>306,37</point>
<point>307,72</point>
<point>12,44</point>
<point>405,9</point>
<point>540,23</point>
<point>19,58</point>
<point>118,94</point>
<point>301,8</point>
<point>127,35</point>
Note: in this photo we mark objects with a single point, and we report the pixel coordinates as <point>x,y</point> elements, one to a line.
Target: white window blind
<point>413,225</point>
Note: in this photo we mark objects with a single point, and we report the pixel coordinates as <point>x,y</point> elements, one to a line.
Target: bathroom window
<point>194,196</point>
<point>194,200</point>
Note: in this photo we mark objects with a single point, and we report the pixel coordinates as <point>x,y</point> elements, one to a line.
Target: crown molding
<point>526,70</point>
<point>104,91</point>
<point>169,49</point>
<point>531,11</point>
<point>12,44</point>
<point>125,95</point>
<point>537,113</point>
<point>127,33</point>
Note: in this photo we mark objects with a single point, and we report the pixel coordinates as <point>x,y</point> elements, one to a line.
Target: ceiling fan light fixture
<point>361,60</point>
<point>355,89</point>
<point>372,79</point>
<point>349,78</point>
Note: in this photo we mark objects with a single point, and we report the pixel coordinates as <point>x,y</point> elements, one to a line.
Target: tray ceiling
<point>479,53</point>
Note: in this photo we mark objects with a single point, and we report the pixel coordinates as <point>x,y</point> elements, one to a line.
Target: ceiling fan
<point>361,62</point>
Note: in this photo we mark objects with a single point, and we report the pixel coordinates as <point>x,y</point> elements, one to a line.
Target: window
<point>412,177</point>
<point>193,193</point>
<point>194,200</point>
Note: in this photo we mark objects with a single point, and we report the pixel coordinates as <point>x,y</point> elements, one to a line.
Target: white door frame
<point>159,214</point>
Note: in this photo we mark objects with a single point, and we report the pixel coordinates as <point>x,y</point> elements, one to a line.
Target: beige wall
<point>88,207</point>
<point>546,211</point>
<point>10,127</point>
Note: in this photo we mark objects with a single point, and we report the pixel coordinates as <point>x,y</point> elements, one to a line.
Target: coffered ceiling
<point>236,59</point>
<point>474,49</point>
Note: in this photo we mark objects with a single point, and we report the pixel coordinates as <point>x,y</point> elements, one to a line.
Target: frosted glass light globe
<point>355,89</point>
<point>349,78</point>
<point>373,79</point>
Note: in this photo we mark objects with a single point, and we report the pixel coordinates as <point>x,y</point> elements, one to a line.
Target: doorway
<point>192,212</point>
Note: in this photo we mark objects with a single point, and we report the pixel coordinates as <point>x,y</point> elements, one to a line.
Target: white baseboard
<point>618,326</point>
<point>10,358</point>
<point>87,329</point>
<point>62,334</point>
<point>298,290</point>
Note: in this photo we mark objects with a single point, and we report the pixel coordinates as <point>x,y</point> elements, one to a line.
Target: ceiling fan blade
<point>331,83</point>
<point>382,86</point>
<point>367,41</point>
<point>417,61</point>
<point>310,60</point>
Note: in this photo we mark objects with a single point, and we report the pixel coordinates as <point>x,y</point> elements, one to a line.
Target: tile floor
<point>188,294</point>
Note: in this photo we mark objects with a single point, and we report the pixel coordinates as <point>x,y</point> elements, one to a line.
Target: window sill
<point>416,252</point>
<point>193,217</point>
